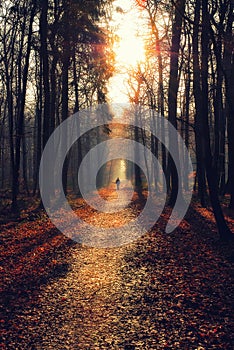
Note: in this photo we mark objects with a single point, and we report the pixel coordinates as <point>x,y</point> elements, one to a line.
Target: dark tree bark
<point>172,95</point>
<point>201,180</point>
<point>229,84</point>
<point>76,109</point>
<point>21,108</point>
<point>219,116</point>
<point>187,122</point>
<point>66,54</point>
<point>45,70</point>
<point>38,125</point>
<point>46,85</point>
<point>211,173</point>
<point>161,87</point>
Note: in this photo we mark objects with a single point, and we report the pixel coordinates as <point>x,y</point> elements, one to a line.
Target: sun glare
<point>129,50</point>
<point>128,47</point>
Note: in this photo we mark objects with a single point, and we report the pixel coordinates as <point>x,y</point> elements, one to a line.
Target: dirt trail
<point>160,292</point>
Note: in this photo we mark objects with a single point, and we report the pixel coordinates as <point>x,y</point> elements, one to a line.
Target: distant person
<point>117,183</point>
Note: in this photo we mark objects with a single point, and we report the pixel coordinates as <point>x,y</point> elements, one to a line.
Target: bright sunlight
<point>128,47</point>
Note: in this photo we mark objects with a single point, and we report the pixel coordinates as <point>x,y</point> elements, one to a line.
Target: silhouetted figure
<point>117,183</point>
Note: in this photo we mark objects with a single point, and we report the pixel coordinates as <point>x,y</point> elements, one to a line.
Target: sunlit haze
<point>128,48</point>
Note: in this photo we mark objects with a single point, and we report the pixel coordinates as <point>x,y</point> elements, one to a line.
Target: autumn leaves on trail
<point>160,292</point>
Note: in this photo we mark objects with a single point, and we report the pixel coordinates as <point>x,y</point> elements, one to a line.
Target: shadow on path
<point>160,292</point>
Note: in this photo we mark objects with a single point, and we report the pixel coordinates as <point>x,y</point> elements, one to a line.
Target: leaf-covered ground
<point>164,291</point>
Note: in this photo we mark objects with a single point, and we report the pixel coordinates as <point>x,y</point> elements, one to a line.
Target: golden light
<point>128,47</point>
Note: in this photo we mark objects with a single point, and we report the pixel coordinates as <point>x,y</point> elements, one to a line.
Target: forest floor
<point>163,291</point>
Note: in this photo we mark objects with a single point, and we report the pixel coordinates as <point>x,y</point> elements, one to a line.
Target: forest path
<point>159,292</point>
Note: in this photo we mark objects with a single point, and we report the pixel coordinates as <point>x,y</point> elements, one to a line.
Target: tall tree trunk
<point>8,58</point>
<point>205,136</point>
<point>46,88</point>
<point>76,76</point>
<point>172,96</point>
<point>186,126</point>
<point>65,68</point>
<point>45,70</point>
<point>229,84</point>
<point>20,119</point>
<point>25,163</point>
<point>14,205</point>
<point>219,119</point>
<point>201,180</point>
<point>161,91</point>
<point>38,128</point>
